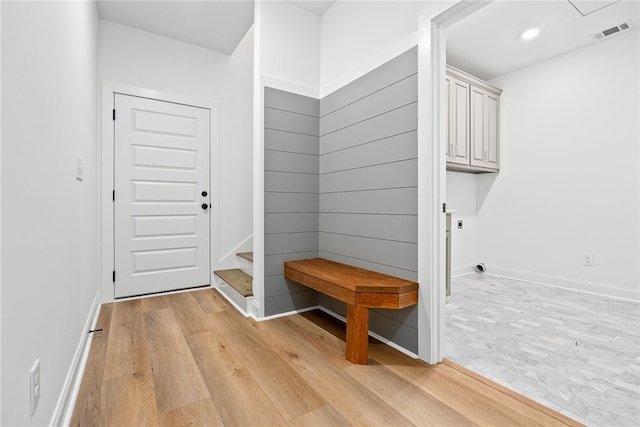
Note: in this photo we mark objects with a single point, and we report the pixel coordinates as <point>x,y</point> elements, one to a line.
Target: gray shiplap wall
<point>290,195</point>
<point>341,183</point>
<point>368,212</point>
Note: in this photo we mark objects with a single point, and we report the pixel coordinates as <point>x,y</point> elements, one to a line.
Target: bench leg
<point>357,334</point>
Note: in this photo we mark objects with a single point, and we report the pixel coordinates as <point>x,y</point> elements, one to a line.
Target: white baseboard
<point>579,285</point>
<point>374,335</point>
<point>254,309</point>
<point>462,271</point>
<point>287,313</point>
<point>67,400</point>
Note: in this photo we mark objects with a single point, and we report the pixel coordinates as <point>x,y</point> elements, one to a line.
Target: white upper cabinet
<point>458,112</point>
<point>474,123</point>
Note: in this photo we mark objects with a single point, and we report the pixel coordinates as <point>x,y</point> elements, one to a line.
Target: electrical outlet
<point>587,260</point>
<point>34,385</point>
<point>460,224</point>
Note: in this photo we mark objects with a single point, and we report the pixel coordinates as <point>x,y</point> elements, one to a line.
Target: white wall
<point>290,45</point>
<point>236,153</point>
<point>357,37</point>
<point>569,177</point>
<point>49,237</point>
<point>0,210</point>
<point>139,58</point>
<point>461,197</point>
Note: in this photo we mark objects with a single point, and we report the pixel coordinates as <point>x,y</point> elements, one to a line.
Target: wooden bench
<point>361,289</point>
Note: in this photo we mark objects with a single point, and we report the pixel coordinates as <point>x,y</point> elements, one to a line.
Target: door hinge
<point>114,195</point>
<point>114,114</point>
<point>444,208</point>
<point>114,275</point>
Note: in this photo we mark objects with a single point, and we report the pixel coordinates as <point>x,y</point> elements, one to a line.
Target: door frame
<point>432,140</point>
<point>107,166</point>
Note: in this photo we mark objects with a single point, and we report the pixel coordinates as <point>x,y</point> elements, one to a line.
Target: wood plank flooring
<point>192,359</point>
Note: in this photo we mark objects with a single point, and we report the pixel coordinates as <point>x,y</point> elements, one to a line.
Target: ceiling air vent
<point>613,30</point>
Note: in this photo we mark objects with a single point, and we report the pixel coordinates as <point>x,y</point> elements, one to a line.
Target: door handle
<point>205,206</point>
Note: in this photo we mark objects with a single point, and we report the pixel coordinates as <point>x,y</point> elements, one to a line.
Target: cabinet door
<point>477,140</point>
<point>485,129</point>
<point>492,141</point>
<point>458,110</point>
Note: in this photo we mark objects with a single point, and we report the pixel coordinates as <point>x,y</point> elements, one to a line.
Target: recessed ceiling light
<point>530,33</point>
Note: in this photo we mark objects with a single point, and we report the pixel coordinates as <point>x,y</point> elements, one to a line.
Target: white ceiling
<point>488,43</point>
<point>217,25</point>
<point>314,6</point>
<point>485,44</point>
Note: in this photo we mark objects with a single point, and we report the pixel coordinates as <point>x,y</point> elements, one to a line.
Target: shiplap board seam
<point>291,192</point>
<point>365,213</point>
<point>368,142</point>
<point>291,152</point>
<point>289,131</point>
<point>292,112</point>
<point>368,189</point>
<point>287,212</point>
<point>289,253</point>
<point>304,291</point>
<point>297,173</point>
<point>369,261</point>
<point>380,312</point>
<point>368,118</point>
<point>291,232</point>
<point>366,237</point>
<point>368,95</point>
<point>368,166</point>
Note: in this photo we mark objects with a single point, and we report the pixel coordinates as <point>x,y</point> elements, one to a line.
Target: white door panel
<point>161,171</point>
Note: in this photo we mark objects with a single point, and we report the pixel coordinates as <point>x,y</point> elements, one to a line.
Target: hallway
<point>191,358</point>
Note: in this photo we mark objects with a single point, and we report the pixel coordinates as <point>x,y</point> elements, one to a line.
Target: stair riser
<point>246,266</point>
<point>240,302</point>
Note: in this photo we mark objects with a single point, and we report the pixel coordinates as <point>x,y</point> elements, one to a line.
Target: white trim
<point>374,335</point>
<point>109,89</point>
<point>432,171</point>
<point>1,216</point>
<point>258,167</point>
<point>67,400</point>
<point>254,309</point>
<point>298,89</point>
<point>585,286</point>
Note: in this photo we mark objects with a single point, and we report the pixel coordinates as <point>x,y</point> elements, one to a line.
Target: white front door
<point>161,196</point>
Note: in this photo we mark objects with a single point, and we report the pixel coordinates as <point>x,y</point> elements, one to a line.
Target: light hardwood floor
<point>192,359</point>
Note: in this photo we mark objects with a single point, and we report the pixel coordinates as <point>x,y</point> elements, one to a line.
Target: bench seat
<point>361,289</point>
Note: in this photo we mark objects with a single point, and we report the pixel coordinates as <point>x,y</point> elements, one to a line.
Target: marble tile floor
<point>574,352</point>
